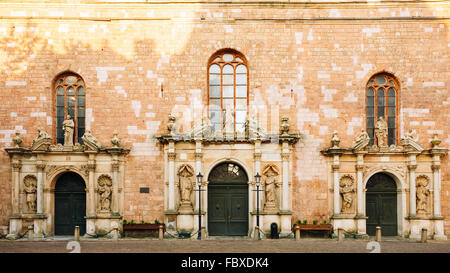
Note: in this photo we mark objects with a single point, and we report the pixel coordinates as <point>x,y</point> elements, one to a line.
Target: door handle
<point>229,218</point>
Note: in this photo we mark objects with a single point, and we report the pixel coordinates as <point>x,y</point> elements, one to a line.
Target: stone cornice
<point>165,139</point>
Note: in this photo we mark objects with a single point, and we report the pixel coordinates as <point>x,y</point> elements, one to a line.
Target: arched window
<point>228,89</point>
<point>382,97</point>
<point>70,100</point>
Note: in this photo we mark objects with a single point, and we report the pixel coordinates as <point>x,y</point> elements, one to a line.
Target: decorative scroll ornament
<point>42,142</point>
<point>30,189</point>
<point>90,141</point>
<point>410,142</point>
<point>361,141</point>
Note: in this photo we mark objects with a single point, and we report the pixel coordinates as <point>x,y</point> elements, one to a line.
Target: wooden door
<point>70,204</point>
<point>381,205</point>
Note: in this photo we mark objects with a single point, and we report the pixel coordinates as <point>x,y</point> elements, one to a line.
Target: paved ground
<point>223,245</point>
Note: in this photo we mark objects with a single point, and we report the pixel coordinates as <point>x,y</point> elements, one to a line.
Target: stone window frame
<point>391,82</point>
<point>217,59</point>
<point>60,81</point>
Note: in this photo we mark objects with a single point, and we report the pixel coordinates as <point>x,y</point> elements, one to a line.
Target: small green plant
<point>324,222</point>
<point>157,222</point>
<point>304,222</point>
<point>314,222</point>
<point>298,222</point>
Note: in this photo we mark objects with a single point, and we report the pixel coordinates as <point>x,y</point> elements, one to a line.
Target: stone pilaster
<point>412,188</point>
<point>91,192</point>
<point>115,194</point>
<point>171,157</point>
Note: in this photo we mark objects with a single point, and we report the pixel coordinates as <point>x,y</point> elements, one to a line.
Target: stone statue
<point>104,192</point>
<point>381,131</point>
<point>42,141</point>
<point>17,140</point>
<point>228,121</point>
<point>68,127</point>
<point>30,189</point>
<point>361,141</point>
<point>422,194</point>
<point>171,124</point>
<point>270,182</point>
<point>346,190</point>
<point>335,140</point>
<point>411,135</point>
<point>115,141</point>
<point>284,126</point>
<point>201,129</point>
<point>90,140</point>
<point>186,184</point>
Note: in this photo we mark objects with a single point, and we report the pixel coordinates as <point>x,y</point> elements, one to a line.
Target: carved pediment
<point>42,142</point>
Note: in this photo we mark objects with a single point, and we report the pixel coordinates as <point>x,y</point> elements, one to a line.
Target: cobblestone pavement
<point>223,245</point>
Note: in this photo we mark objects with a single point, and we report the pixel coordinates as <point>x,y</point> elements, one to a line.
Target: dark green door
<point>70,204</point>
<point>381,205</point>
<point>228,201</point>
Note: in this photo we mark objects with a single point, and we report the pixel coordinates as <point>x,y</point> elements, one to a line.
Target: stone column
<point>198,169</point>
<point>40,165</point>
<point>436,168</point>
<point>412,185</point>
<point>336,196</point>
<point>285,185</point>
<point>257,157</point>
<point>171,157</point>
<point>91,186</point>
<point>15,221</point>
<point>360,187</point>
<point>115,193</point>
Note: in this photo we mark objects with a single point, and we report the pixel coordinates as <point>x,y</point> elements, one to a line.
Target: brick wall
<point>310,61</point>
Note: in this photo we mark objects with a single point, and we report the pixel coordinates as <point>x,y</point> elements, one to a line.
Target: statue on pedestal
<point>186,185</point>
<point>104,191</point>
<point>30,189</point>
<point>381,131</point>
<point>361,141</point>
<point>68,127</point>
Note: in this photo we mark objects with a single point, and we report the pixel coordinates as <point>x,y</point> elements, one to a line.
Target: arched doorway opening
<point>381,205</point>
<point>70,204</point>
<point>228,201</point>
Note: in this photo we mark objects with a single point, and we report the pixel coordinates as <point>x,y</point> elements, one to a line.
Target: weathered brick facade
<point>143,61</point>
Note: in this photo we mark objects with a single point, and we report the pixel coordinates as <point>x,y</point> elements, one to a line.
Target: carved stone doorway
<point>228,201</point>
<point>381,205</point>
<point>70,204</point>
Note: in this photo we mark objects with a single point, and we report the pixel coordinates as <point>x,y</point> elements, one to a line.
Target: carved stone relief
<point>30,190</point>
<point>104,192</point>
<point>422,194</point>
<point>347,191</point>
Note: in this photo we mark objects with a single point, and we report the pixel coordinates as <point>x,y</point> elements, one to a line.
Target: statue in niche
<point>104,192</point>
<point>186,184</point>
<point>270,183</point>
<point>422,194</point>
<point>361,141</point>
<point>90,140</point>
<point>346,190</point>
<point>381,131</point>
<point>68,127</point>
<point>30,189</point>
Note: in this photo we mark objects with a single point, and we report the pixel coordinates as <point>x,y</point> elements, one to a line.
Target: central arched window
<point>70,100</point>
<point>382,97</point>
<point>228,89</point>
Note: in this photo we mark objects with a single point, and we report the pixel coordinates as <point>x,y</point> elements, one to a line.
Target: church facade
<point>247,113</point>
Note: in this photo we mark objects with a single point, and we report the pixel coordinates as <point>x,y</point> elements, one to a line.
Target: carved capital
<point>359,168</point>
<point>115,166</point>
<point>40,165</point>
<point>91,167</point>
<point>412,167</point>
<point>285,156</point>
<point>435,167</point>
<point>335,167</point>
<point>171,156</point>
<point>17,165</point>
<point>198,156</point>
<point>257,156</point>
